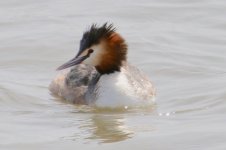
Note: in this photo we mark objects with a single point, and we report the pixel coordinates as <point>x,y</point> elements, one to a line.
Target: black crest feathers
<point>95,34</point>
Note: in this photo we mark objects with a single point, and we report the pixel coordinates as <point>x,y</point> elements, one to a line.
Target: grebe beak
<point>75,61</point>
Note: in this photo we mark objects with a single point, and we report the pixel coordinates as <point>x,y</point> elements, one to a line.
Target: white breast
<point>114,90</point>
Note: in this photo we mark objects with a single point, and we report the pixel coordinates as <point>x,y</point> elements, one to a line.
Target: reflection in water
<point>108,128</point>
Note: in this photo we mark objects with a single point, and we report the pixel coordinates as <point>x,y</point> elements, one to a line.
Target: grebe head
<point>102,48</point>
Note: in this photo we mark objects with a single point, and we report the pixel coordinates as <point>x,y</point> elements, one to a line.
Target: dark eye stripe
<point>90,51</point>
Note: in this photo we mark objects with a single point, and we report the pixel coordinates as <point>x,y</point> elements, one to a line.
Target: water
<point>181,45</point>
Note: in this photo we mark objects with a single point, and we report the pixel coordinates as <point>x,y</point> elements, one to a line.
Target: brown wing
<point>72,84</point>
<point>141,83</point>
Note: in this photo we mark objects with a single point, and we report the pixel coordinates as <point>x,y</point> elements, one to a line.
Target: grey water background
<point>180,44</point>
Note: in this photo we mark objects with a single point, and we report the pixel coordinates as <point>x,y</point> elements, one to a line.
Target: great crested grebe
<point>100,75</point>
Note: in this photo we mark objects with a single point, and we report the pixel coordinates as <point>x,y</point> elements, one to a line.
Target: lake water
<point>180,44</point>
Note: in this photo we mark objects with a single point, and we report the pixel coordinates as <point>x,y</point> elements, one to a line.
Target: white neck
<point>114,91</point>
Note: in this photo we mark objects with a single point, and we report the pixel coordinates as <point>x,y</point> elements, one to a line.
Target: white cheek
<point>91,60</point>
<point>94,57</point>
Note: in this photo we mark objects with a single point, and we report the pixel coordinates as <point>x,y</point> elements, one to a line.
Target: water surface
<point>181,45</point>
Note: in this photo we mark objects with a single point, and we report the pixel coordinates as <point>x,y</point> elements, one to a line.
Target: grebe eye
<point>90,51</point>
